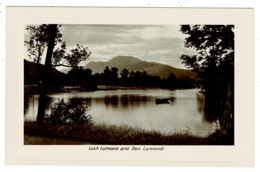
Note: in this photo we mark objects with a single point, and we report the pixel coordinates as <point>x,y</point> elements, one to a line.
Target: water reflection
<point>80,101</point>
<point>136,108</point>
<point>201,105</point>
<point>26,104</point>
<point>111,101</point>
<point>126,101</point>
<point>31,106</point>
<point>200,102</point>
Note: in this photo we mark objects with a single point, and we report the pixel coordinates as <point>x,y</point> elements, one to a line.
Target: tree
<point>214,45</point>
<point>88,72</point>
<point>36,44</point>
<point>171,80</point>
<point>136,78</point>
<point>49,36</point>
<point>114,76</point>
<point>114,71</point>
<point>214,63</point>
<point>124,73</point>
<point>106,76</point>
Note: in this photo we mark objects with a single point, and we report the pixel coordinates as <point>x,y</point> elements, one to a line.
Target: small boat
<point>162,101</point>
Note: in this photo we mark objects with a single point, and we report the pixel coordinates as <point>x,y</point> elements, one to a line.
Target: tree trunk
<point>47,73</point>
<point>227,118</point>
<point>211,94</point>
<point>38,66</point>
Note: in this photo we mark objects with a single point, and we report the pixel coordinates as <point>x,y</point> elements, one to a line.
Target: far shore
<point>34,89</point>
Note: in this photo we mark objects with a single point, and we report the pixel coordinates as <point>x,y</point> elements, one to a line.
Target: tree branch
<point>57,65</point>
<point>36,56</point>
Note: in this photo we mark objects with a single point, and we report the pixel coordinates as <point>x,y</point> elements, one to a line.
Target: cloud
<point>101,34</point>
<point>158,43</point>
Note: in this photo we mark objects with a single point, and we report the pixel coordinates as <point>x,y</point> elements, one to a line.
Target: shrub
<point>62,112</point>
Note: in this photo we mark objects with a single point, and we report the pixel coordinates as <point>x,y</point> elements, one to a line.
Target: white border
<point>132,3</point>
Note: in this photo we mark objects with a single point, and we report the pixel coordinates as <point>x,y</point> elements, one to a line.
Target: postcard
<point>129,86</point>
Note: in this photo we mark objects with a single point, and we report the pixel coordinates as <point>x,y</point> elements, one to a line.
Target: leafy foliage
<point>214,63</point>
<point>72,59</point>
<point>39,36</point>
<point>38,40</point>
<point>62,112</point>
<point>214,45</point>
<point>48,36</point>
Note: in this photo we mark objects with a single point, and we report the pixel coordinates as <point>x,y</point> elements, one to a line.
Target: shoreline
<point>34,89</point>
<point>113,135</point>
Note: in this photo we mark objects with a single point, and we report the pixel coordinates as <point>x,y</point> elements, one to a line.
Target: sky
<point>156,43</point>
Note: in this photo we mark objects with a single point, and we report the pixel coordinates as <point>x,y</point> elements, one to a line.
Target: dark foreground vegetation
<point>116,135</point>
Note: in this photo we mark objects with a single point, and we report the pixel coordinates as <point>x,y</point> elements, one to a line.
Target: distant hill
<point>65,71</point>
<point>30,77</point>
<point>134,64</point>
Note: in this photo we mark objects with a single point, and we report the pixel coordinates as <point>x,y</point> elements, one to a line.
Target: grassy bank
<point>116,135</point>
<point>45,140</point>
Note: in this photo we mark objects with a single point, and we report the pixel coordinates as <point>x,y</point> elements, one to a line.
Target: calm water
<point>137,108</point>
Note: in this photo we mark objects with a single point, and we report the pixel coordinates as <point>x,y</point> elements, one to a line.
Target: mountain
<point>134,64</point>
<point>30,69</point>
<point>65,71</point>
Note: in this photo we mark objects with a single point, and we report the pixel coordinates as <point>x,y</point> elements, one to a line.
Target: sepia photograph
<point>129,84</point>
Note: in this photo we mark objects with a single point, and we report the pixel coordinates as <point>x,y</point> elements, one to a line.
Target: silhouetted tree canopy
<point>214,45</point>
<point>124,73</point>
<point>39,37</point>
<point>214,63</point>
<point>49,36</point>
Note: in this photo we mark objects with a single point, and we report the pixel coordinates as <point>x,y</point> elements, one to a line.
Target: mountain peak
<point>134,64</point>
<point>125,58</point>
